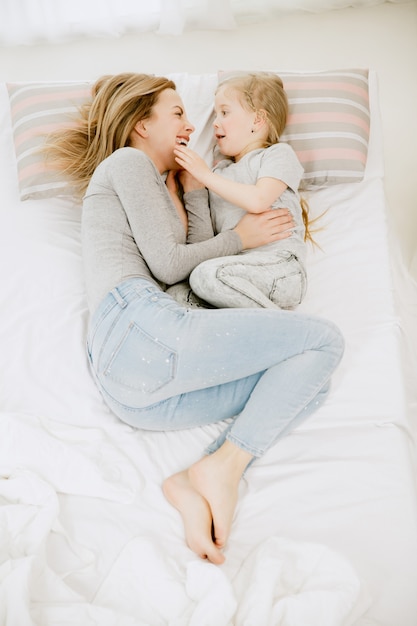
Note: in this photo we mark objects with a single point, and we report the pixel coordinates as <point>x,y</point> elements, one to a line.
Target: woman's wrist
<point>189,183</point>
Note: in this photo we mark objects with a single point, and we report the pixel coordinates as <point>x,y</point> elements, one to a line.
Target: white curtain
<point>32,21</point>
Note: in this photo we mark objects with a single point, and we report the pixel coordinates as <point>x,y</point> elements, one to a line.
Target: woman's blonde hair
<point>264,93</point>
<point>105,124</point>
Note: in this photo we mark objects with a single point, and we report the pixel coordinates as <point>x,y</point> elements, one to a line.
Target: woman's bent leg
<point>163,367</point>
<point>269,369</point>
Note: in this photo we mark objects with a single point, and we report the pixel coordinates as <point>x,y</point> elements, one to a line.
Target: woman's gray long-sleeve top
<point>131,228</point>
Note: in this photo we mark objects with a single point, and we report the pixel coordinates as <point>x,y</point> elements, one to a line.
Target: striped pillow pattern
<point>36,110</point>
<point>328,125</point>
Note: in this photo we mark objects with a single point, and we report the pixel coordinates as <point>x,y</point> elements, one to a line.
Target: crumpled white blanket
<point>291,583</point>
<point>282,582</point>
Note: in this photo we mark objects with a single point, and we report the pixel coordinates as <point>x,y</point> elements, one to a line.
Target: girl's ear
<point>260,118</point>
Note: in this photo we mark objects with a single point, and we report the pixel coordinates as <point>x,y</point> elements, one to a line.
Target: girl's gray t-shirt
<point>278,161</point>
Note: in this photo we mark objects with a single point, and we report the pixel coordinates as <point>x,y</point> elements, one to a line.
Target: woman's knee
<point>334,340</point>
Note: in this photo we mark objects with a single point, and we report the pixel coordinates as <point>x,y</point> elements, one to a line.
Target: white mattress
<point>325,532</point>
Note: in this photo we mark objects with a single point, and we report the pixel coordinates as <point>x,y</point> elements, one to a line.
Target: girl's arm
<point>252,198</point>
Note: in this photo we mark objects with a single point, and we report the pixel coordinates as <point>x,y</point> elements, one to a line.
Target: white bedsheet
<point>325,532</point>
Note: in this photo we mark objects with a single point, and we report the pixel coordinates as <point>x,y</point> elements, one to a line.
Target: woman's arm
<point>256,230</point>
<point>252,198</point>
<point>158,232</point>
<point>193,209</point>
<point>172,186</point>
<point>200,226</point>
<point>196,201</point>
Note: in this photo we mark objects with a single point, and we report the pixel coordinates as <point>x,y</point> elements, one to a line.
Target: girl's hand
<point>192,162</point>
<point>258,229</point>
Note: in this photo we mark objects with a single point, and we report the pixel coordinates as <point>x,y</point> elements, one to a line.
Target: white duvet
<point>45,478</point>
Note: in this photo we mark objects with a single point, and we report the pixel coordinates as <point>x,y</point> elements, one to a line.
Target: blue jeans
<point>161,366</point>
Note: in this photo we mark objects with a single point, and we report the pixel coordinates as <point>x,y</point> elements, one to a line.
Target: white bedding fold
<point>93,467</point>
<point>281,583</point>
<point>290,583</point>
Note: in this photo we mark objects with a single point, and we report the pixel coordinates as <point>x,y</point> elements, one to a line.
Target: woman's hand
<point>258,229</point>
<point>193,163</point>
<point>188,182</point>
<point>172,186</point>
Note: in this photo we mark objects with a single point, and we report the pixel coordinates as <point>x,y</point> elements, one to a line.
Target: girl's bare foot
<point>196,516</point>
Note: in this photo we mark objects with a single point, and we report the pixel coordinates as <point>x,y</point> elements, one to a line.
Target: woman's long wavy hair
<point>264,92</point>
<point>105,124</point>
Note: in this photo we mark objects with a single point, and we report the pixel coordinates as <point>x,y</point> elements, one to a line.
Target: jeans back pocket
<point>140,362</point>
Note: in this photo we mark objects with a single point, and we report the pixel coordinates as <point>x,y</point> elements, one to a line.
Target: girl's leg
<point>185,296</point>
<point>253,279</point>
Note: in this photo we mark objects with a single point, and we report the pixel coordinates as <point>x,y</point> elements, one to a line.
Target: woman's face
<point>164,129</point>
<point>233,125</point>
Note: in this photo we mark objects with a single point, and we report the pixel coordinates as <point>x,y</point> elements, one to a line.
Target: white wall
<point>383,38</point>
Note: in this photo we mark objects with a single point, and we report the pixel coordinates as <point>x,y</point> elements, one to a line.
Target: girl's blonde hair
<point>105,124</point>
<point>264,93</point>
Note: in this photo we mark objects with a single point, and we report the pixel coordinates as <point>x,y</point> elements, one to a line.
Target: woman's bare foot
<point>196,515</point>
<point>216,477</point>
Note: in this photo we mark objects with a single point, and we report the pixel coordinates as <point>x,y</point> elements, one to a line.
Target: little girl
<point>258,173</point>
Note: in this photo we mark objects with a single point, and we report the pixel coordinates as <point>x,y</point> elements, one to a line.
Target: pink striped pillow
<point>36,110</point>
<point>328,124</point>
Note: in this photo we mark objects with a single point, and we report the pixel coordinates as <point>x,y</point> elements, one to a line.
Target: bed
<point>325,533</point>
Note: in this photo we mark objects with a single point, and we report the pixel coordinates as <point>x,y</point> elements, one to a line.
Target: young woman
<point>258,172</point>
<point>159,365</point>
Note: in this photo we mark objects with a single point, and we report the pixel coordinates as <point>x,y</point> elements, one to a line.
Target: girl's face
<point>164,129</point>
<point>235,127</point>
